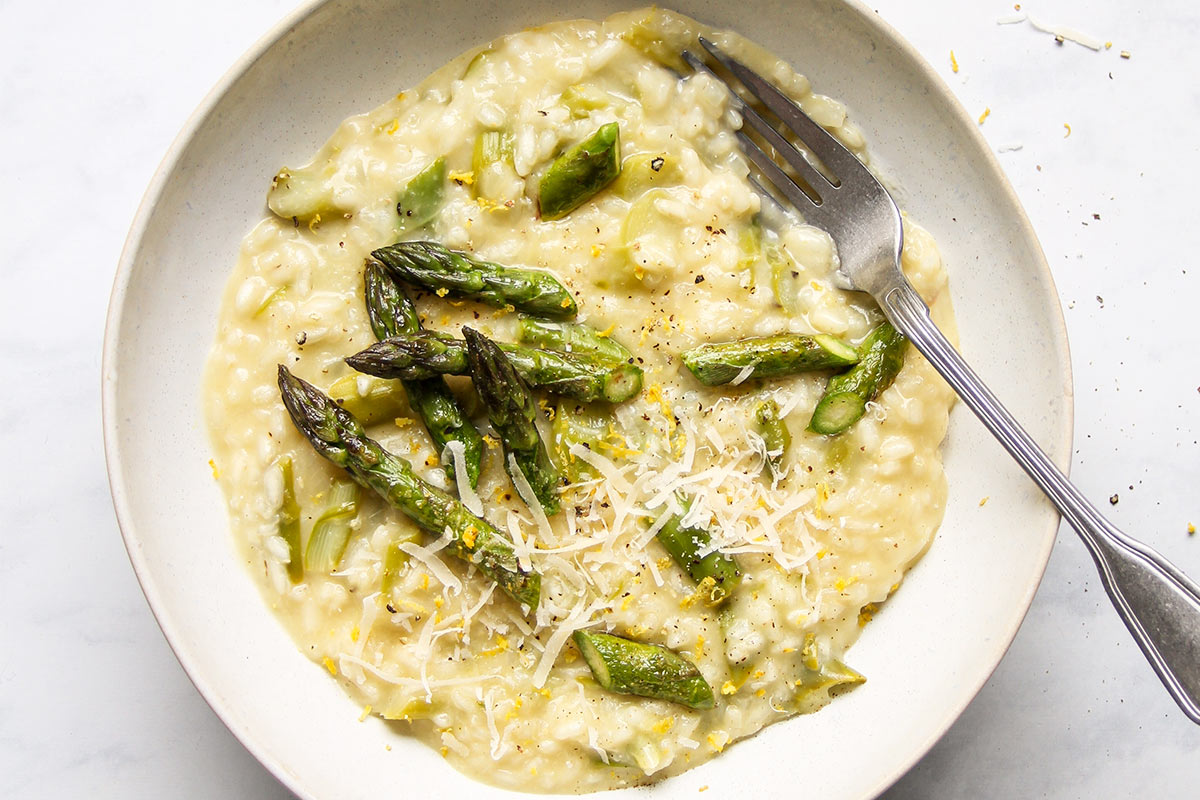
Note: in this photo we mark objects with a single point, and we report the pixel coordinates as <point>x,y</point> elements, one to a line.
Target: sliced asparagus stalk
<point>288,523</point>
<point>718,573</point>
<point>424,354</point>
<point>846,396</point>
<point>571,337</point>
<point>774,433</point>
<point>421,200</point>
<point>370,399</point>
<point>513,413</point>
<point>580,172</point>
<point>305,194</point>
<point>820,679</point>
<point>339,437</point>
<point>393,561</point>
<point>392,313</point>
<point>331,532</point>
<point>643,171</point>
<point>647,670</point>
<point>767,357</point>
<point>445,271</point>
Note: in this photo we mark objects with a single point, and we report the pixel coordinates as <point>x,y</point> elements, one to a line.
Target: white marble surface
<point>93,703</point>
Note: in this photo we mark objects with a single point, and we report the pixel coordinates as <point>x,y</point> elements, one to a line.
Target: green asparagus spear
<point>717,573</point>
<point>289,521</point>
<point>420,201</point>
<point>426,353</point>
<point>445,271</point>
<point>339,437</point>
<point>846,397</point>
<point>774,433</point>
<point>391,314</point>
<point>580,172</point>
<point>647,670</point>
<point>767,357</point>
<point>331,532</point>
<point>513,412</point>
<point>571,337</point>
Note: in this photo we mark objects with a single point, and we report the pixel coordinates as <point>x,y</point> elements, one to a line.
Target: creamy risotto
<point>676,252</point>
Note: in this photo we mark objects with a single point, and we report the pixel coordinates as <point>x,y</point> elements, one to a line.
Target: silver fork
<point>1158,603</point>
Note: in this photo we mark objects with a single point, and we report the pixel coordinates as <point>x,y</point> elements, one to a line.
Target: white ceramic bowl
<point>927,653</point>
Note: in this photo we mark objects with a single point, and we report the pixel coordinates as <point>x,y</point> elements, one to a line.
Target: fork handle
<point>1158,603</point>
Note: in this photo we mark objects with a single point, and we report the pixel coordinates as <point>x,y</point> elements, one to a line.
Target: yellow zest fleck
<point>400,96</point>
<point>1108,45</point>
<point>329,665</point>
<point>501,646</point>
<point>639,273</point>
<point>664,562</point>
<point>822,494</point>
<point>314,222</point>
<point>490,442</point>
<point>393,126</point>
<point>821,554</point>
<point>354,632</point>
<point>533,770</point>
<point>387,747</point>
<point>1068,127</point>
<point>867,613</point>
<point>635,631</point>
<point>760,693</point>
<point>597,250</point>
<point>703,788</point>
<point>438,602</point>
<point>424,580</point>
<point>699,647</point>
<point>729,687</point>
<point>953,63</point>
<point>717,740</point>
<point>431,461</point>
<point>462,178</point>
<point>626,603</point>
<point>816,286</point>
<point>544,693</point>
<point>983,501</point>
<point>445,319</point>
<point>663,725</point>
<point>1191,529</point>
<point>566,303</point>
<point>458,303</point>
<point>213,466</point>
<point>366,712</point>
<point>607,332</point>
<point>445,750</point>
<point>758,673</point>
<point>468,537</point>
<point>442,291</point>
<point>704,591</point>
<point>987,112</point>
<point>416,607</point>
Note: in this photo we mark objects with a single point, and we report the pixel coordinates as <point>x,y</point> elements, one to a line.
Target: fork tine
<point>835,156</point>
<point>779,179</point>
<point>816,181</point>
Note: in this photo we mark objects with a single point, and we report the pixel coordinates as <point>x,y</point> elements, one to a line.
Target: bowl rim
<point>115,466</point>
